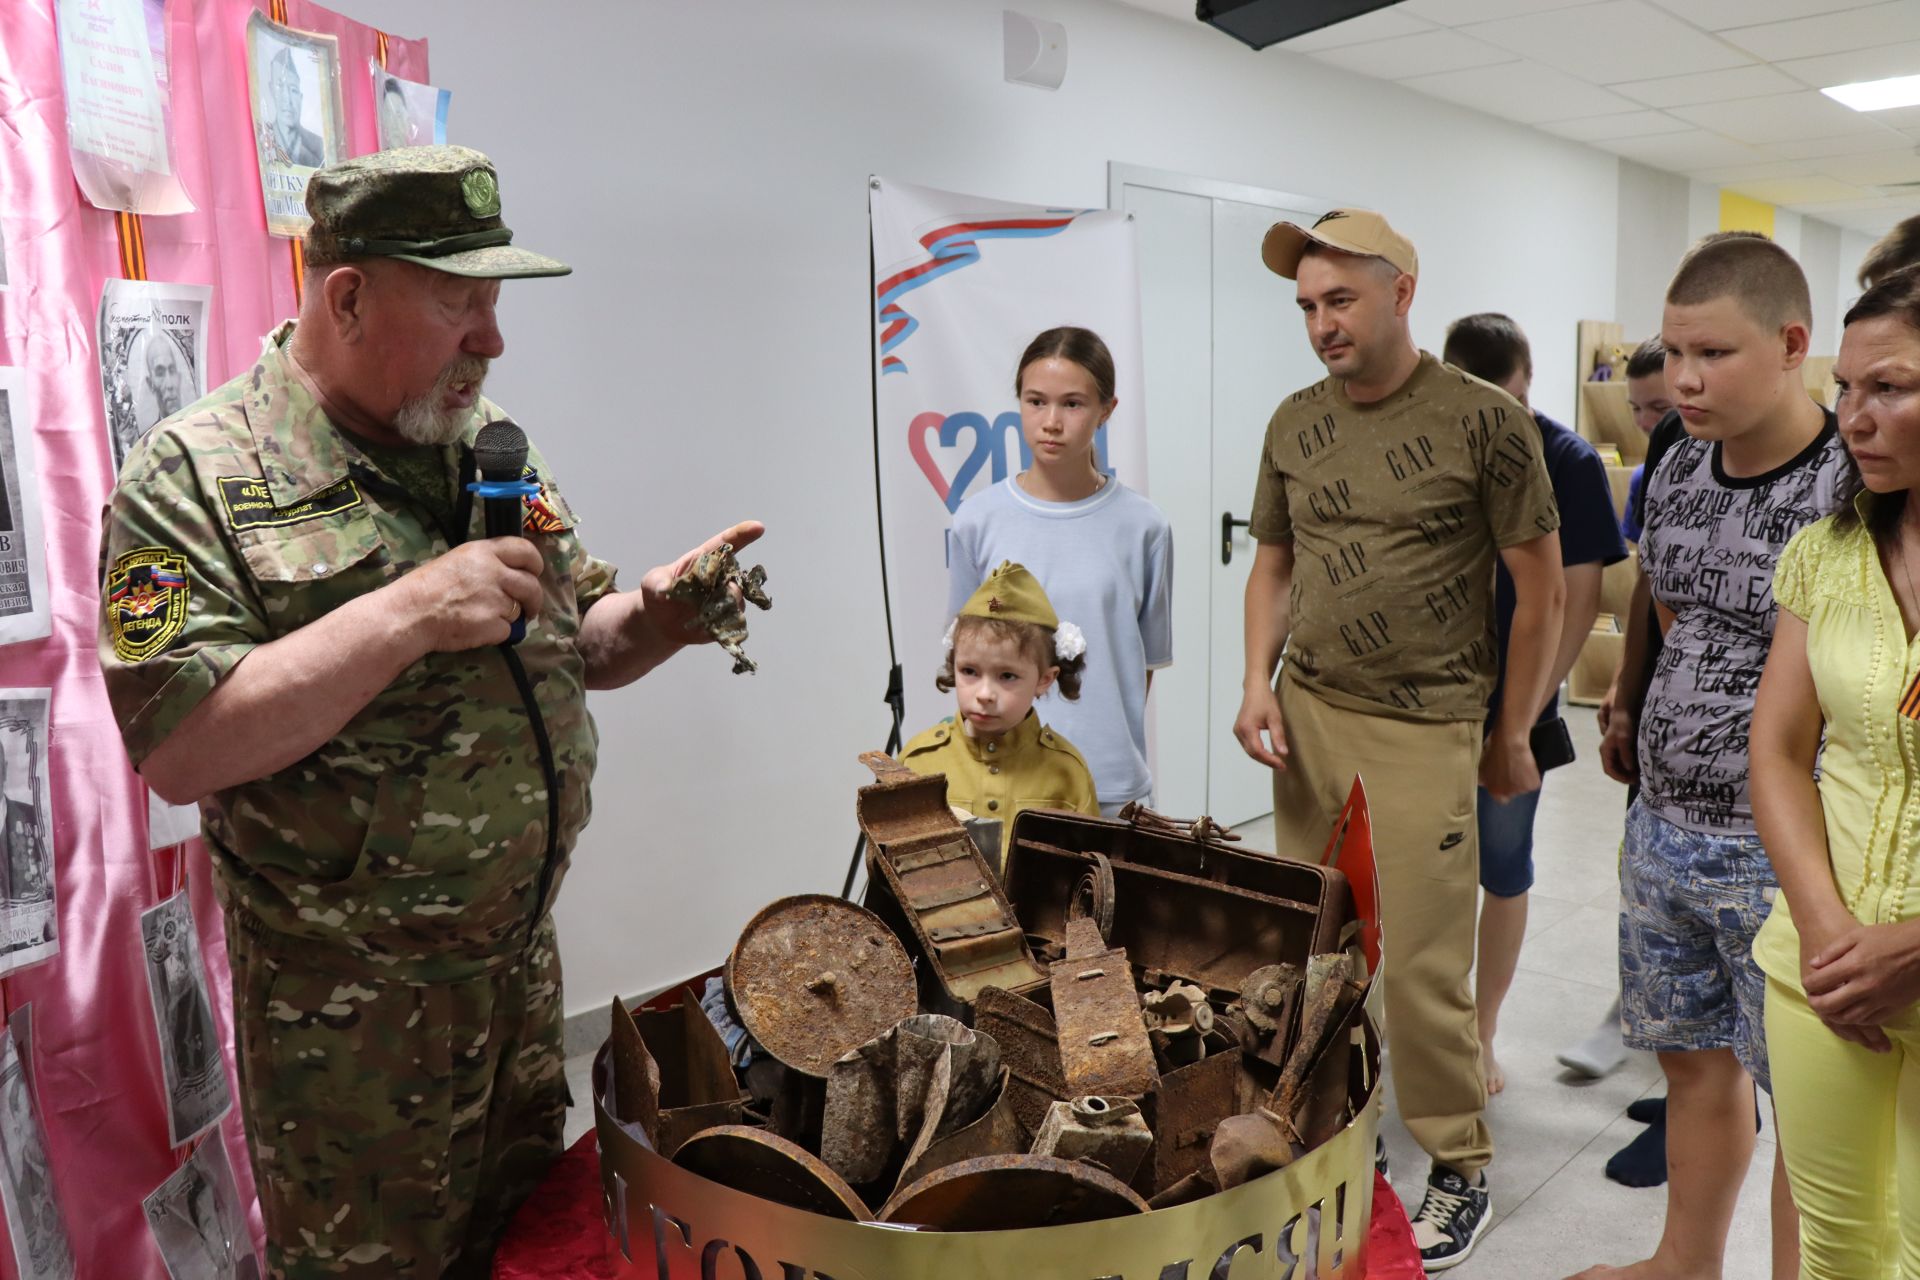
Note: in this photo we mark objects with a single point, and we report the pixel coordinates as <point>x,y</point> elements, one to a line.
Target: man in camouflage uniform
<point>303,630</point>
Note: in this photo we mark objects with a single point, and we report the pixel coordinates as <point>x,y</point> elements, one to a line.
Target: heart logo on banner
<point>917,446</point>
<point>987,450</point>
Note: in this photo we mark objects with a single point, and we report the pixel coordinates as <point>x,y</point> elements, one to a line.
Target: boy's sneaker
<point>1380,1159</point>
<point>1452,1218</point>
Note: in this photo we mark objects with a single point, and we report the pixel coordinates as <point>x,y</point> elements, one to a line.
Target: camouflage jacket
<point>421,842</point>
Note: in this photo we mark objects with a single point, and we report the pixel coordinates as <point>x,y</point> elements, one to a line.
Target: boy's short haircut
<point>1751,269</point>
<point>1649,358</point>
<point>1488,345</point>
<point>1894,252</point>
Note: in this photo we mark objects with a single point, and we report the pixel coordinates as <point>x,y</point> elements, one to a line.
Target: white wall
<point>1654,230</point>
<point>704,168</point>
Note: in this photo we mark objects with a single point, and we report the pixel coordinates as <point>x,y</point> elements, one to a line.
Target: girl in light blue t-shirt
<point>1103,552</point>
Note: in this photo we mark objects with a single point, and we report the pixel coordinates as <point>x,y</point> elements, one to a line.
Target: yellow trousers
<point>1850,1130</point>
<point>1422,780</point>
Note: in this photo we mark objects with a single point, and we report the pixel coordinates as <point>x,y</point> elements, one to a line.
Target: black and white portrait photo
<point>41,1250</point>
<point>293,81</point>
<point>198,1222</point>
<point>196,1077</point>
<point>153,355</point>
<point>27,914</point>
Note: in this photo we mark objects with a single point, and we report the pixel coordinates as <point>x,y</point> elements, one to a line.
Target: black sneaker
<point>1380,1159</point>
<point>1452,1218</point>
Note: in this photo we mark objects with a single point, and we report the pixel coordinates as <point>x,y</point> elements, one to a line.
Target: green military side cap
<point>1012,594</point>
<point>435,206</point>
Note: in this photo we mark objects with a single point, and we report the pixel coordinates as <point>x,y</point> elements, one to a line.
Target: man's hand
<point>676,621</point>
<point>1604,712</point>
<point>1866,977</point>
<point>469,597</point>
<point>1260,714</point>
<point>1619,750</point>
<point>1507,768</point>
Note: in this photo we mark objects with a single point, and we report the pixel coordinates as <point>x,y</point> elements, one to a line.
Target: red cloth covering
<point>561,1234</point>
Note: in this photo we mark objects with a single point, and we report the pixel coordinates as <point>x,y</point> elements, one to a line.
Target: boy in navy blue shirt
<point>1491,347</point>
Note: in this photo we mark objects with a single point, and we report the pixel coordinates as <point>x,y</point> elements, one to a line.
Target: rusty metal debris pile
<point>1130,1014</point>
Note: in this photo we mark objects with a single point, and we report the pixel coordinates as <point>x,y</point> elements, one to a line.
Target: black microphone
<point>500,451</point>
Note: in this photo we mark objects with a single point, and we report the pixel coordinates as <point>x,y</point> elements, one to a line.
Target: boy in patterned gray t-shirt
<point>1762,460</point>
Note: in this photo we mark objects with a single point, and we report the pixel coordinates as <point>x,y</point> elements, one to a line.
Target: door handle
<point>1227,525</point>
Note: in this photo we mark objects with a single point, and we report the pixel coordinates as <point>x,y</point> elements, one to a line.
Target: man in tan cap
<point>303,630</point>
<point>1385,493</point>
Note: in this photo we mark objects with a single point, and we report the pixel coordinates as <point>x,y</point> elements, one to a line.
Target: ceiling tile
<point>1455,13</point>
<point>1755,172</point>
<point>1626,124</point>
<point>1522,91</point>
<point>1685,152</point>
<point>1798,190</point>
<point>1882,168</point>
<point>1853,144</point>
<point>1381,24</point>
<point>1862,28</point>
<point>1718,15</point>
<point>1881,62</point>
<point>1709,86</point>
<point>1427,53</point>
<point>1611,41</point>
<point>1782,117</point>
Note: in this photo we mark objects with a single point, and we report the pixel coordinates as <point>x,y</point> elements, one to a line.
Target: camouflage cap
<point>435,206</point>
<point>1012,594</point>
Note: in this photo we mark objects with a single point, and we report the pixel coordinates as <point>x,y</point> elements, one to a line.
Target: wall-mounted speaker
<point>1264,22</point>
<point>1036,50</point>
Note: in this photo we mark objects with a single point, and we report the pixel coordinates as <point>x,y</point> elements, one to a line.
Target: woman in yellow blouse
<point>1842,952</point>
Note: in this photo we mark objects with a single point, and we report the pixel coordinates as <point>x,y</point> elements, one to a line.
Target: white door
<point>1223,345</point>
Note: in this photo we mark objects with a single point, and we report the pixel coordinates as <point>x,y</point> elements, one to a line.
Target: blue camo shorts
<point>1690,905</point>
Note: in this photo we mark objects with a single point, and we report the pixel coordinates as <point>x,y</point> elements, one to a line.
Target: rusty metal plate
<point>1190,1105</point>
<point>761,1164</point>
<point>1010,1193</point>
<point>814,977</point>
<point>697,1085</point>
<point>1104,1048</point>
<point>636,1076</point>
<point>1029,1049</point>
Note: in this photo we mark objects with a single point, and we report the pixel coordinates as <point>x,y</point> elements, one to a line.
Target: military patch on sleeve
<point>147,593</point>
<point>544,513</point>
<point>249,504</point>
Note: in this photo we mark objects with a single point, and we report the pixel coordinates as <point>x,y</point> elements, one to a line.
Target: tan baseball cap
<point>1356,231</point>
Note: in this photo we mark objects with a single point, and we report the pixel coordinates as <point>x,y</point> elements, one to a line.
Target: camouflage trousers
<point>394,1127</point>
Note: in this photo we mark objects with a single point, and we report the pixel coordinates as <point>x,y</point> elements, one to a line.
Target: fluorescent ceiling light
<point>1877,95</point>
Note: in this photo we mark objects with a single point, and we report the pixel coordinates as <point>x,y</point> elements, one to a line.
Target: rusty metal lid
<point>1008,1193</point>
<point>768,1166</point>
<point>814,978</point>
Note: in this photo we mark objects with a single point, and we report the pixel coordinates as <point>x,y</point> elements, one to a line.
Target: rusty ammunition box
<point>927,880</point>
<point>1186,905</point>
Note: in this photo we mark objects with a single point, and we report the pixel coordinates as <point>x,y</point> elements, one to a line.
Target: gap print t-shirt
<point>1396,511</point>
<point>1708,550</point>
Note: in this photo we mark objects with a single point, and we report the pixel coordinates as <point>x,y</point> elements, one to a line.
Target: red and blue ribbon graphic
<point>950,247</point>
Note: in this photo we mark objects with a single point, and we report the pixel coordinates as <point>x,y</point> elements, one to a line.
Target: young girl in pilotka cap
<point>1005,649</point>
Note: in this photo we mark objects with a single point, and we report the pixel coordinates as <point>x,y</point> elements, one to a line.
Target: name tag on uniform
<point>249,503</point>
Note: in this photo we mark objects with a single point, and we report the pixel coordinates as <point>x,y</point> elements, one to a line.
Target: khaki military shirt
<point>424,840</point>
<point>1028,767</point>
<point>1396,511</point>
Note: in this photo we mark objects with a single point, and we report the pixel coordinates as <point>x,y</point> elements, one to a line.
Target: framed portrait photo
<point>293,82</point>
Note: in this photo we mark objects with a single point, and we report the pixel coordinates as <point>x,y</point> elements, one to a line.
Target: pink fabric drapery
<point>96,1061</point>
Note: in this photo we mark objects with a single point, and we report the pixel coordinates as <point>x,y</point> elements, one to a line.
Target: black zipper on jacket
<point>543,743</point>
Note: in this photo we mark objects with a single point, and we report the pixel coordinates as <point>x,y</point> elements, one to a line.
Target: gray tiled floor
<point>1555,1213</point>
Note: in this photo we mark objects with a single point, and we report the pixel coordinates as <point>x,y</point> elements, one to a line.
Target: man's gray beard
<point>423,421</point>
